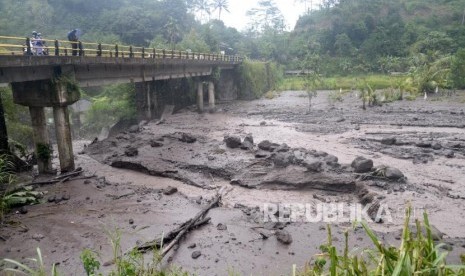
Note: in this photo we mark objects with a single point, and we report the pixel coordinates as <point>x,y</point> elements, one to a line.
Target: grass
<point>416,255</point>
<point>345,83</point>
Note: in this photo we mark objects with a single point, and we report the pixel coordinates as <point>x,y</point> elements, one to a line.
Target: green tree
<point>458,69</point>
<point>220,5</point>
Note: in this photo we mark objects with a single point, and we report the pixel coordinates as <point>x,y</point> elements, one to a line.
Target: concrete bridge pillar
<point>41,140</point>
<point>146,100</point>
<point>211,96</point>
<point>64,140</point>
<point>57,93</point>
<point>200,97</point>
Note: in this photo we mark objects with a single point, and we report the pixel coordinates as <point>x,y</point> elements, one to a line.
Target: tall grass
<point>416,255</point>
<point>345,83</point>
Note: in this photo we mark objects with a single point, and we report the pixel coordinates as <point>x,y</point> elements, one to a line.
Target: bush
<point>257,78</point>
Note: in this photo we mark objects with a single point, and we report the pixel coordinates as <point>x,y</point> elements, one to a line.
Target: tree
<point>266,15</point>
<point>220,5</point>
<point>203,7</point>
<point>172,31</point>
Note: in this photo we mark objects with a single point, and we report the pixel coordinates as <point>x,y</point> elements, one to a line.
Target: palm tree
<point>220,5</point>
<point>203,6</point>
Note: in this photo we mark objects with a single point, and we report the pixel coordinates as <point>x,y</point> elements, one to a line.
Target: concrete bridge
<point>53,81</point>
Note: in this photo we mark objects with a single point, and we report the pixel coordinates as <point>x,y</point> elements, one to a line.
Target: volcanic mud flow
<point>276,157</point>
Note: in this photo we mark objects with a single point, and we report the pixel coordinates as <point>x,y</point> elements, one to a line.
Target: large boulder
<point>312,164</point>
<point>362,164</point>
<point>393,173</point>
<point>267,145</point>
<point>232,141</point>
<point>282,160</point>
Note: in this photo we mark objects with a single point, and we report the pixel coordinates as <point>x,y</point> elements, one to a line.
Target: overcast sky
<point>236,17</point>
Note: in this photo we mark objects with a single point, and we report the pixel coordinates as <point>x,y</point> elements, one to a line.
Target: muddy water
<point>85,220</point>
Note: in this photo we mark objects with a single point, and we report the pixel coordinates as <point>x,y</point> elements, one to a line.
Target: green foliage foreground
<point>416,255</point>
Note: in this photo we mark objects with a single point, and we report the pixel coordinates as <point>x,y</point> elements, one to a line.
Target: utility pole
<point>3,133</point>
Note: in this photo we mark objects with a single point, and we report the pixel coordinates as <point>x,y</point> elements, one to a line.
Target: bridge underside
<point>50,81</point>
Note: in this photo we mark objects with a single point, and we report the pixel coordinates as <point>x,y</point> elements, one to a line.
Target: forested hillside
<point>378,35</point>
<point>340,37</point>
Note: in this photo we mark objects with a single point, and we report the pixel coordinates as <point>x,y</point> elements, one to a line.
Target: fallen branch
<point>175,235</point>
<point>70,174</point>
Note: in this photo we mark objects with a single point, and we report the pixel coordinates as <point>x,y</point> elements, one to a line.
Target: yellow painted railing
<point>10,45</point>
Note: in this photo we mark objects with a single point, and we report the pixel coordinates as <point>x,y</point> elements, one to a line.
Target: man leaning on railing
<point>73,37</point>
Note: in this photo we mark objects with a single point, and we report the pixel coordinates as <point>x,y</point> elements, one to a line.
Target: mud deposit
<point>267,151</point>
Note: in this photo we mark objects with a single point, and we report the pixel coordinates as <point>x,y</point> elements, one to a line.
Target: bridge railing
<point>10,45</point>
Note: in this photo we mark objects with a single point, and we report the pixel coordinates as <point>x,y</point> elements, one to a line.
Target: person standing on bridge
<point>73,37</point>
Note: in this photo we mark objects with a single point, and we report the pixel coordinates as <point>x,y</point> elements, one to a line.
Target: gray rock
<point>261,154</point>
<point>232,141</point>
<point>131,151</point>
<point>393,173</point>
<point>330,159</point>
<point>284,237</point>
<point>134,129</point>
<point>388,141</point>
<point>155,144</point>
<point>142,123</point>
<point>282,160</point>
<point>299,155</point>
<point>450,154</point>
<point>249,138</point>
<point>196,254</point>
<point>283,148</point>
<point>247,145</point>
<point>436,146</point>
<point>313,165</point>
<point>170,190</point>
<point>221,227</point>
<point>187,138</point>
<point>362,164</point>
<point>267,146</point>
<point>423,144</point>
<point>194,245</point>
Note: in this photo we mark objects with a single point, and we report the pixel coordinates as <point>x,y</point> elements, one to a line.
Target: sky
<point>236,18</point>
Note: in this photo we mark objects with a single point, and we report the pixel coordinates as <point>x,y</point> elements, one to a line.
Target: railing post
<point>116,50</point>
<point>28,46</point>
<point>57,48</point>
<point>172,53</point>
<point>154,53</point>
<point>111,53</point>
<point>143,52</point>
<point>66,52</point>
<point>164,53</point>
<point>99,50</point>
<point>81,50</point>
<point>131,53</point>
<point>180,54</point>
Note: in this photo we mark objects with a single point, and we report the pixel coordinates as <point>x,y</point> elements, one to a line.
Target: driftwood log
<point>168,241</point>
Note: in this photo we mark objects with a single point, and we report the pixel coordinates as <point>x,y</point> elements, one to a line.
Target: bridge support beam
<point>211,96</point>
<point>57,93</point>
<point>146,100</point>
<point>200,97</point>
<point>43,149</point>
<point>64,140</point>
